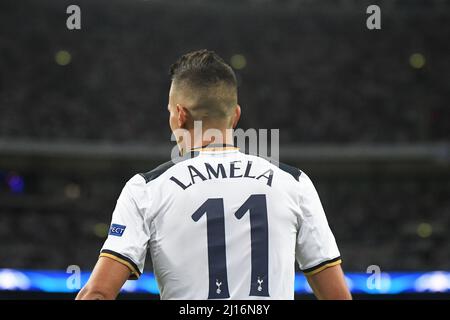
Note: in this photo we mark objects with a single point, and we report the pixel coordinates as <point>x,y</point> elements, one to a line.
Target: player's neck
<point>212,138</point>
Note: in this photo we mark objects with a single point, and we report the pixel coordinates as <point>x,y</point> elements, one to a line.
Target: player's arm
<point>329,284</point>
<point>106,280</point>
<point>123,254</point>
<point>317,252</point>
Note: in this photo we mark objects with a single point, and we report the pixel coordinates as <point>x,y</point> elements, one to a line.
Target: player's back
<point>223,224</point>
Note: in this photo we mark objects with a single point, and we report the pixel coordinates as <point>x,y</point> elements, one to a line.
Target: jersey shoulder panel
<point>293,171</point>
<point>155,173</point>
<point>159,170</point>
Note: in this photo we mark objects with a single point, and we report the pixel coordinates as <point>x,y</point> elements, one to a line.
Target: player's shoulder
<point>294,179</point>
<point>292,171</point>
<point>156,172</point>
<point>162,168</point>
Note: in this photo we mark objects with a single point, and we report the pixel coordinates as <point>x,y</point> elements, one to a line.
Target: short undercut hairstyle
<point>209,82</point>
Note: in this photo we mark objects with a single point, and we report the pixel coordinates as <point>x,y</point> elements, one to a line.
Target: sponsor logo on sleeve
<point>116,230</point>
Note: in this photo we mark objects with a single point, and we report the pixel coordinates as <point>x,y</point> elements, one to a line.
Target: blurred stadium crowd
<point>312,70</point>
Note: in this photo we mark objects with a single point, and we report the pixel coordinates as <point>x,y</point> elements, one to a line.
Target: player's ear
<point>182,116</point>
<point>236,116</point>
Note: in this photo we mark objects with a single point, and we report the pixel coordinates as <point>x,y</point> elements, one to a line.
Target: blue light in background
<point>15,183</point>
<point>390,283</point>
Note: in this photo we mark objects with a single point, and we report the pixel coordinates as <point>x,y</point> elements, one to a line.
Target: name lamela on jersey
<point>236,169</point>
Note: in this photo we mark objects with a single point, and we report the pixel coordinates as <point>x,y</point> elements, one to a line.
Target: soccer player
<point>219,224</point>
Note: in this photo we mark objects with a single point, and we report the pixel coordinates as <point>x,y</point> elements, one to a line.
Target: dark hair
<point>202,68</point>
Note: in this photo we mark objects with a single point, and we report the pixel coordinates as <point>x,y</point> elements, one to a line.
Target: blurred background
<point>365,113</point>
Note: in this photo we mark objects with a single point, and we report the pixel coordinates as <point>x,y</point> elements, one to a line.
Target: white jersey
<point>222,225</point>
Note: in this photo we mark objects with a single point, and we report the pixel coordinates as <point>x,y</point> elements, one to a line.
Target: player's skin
<point>109,275</point>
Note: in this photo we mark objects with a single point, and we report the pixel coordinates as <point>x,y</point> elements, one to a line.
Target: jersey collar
<point>215,147</point>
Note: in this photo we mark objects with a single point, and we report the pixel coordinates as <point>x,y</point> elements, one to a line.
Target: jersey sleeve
<point>316,247</point>
<point>129,233</point>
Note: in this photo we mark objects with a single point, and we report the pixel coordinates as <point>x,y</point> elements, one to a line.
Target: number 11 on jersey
<point>217,262</point>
